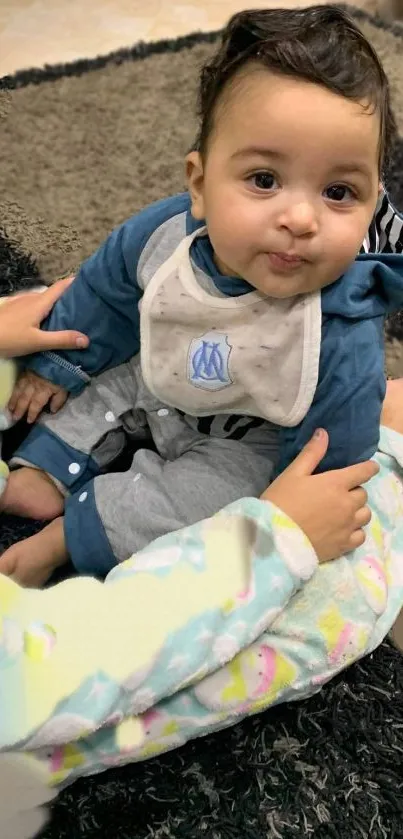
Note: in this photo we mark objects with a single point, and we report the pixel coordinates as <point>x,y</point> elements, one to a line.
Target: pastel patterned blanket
<point>206,626</point>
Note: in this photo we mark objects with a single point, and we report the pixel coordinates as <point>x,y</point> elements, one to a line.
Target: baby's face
<point>289,183</point>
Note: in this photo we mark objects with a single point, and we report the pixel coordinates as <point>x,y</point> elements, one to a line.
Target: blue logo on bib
<point>208,361</point>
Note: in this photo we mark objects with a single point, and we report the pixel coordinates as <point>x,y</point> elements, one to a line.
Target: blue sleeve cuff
<point>59,371</point>
<point>68,465</point>
<point>86,540</point>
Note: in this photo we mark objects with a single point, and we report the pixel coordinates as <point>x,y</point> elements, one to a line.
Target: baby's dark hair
<point>320,44</point>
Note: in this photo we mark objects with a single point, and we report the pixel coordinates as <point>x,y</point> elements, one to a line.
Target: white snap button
<point>83,496</point>
<point>137,477</point>
<point>110,416</point>
<point>74,468</point>
<point>163,412</point>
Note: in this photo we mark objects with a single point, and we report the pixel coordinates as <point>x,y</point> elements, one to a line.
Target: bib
<point>251,355</point>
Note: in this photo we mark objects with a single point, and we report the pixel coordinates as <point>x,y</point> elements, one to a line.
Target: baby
<point>229,322</point>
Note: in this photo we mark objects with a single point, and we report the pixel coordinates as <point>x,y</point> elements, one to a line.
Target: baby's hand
<point>32,393</point>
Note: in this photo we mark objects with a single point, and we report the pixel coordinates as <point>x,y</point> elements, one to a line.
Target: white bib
<point>251,355</point>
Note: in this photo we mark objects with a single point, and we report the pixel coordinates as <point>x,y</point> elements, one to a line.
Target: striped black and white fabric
<point>385,234</point>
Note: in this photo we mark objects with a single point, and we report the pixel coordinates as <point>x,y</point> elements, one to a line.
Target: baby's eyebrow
<point>258,151</point>
<point>353,169</point>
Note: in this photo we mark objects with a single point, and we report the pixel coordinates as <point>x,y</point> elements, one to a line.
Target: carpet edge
<point>142,49</point>
<point>137,52</point>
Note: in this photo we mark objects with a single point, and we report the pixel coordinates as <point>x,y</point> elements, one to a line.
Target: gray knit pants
<point>190,475</point>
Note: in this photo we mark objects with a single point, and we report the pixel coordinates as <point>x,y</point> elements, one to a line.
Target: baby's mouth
<point>285,262</point>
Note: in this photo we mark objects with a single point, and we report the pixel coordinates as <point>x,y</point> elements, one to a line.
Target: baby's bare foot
<point>32,561</point>
<point>31,494</point>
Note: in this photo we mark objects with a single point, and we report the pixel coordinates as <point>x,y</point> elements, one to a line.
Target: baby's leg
<point>115,515</point>
<point>121,513</point>
<point>32,561</point>
<point>66,451</point>
<point>68,448</point>
<point>27,492</point>
<point>32,494</point>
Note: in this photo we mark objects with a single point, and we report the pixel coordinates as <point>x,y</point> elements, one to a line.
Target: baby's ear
<point>195,183</point>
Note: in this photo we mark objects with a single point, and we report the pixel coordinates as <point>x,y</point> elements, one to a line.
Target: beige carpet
<point>85,146</point>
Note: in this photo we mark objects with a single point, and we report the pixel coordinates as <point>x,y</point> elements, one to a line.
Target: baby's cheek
<point>348,232</point>
<point>345,253</point>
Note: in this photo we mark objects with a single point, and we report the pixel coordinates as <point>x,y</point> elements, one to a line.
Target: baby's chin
<point>282,288</point>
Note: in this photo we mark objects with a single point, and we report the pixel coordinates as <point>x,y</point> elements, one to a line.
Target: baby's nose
<point>300,218</point>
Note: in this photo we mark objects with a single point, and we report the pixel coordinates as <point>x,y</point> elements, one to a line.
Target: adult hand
<point>331,508</point>
<point>20,319</point>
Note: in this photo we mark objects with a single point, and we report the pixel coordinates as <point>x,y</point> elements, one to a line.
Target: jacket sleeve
<point>349,395</point>
<point>103,303</point>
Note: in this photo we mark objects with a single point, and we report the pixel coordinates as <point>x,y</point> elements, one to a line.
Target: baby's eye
<point>264,180</point>
<point>339,193</point>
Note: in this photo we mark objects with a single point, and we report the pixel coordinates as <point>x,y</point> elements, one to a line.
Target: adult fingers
<point>45,301</point>
<point>357,539</point>
<point>353,476</point>
<point>310,456</point>
<point>362,517</point>
<point>63,340</point>
<point>359,497</point>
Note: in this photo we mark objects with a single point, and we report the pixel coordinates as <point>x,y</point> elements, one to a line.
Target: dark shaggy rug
<point>82,147</point>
